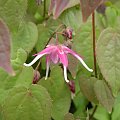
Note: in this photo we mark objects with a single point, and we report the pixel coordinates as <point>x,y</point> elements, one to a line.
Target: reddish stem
<point>94,56</point>
<point>94,43</point>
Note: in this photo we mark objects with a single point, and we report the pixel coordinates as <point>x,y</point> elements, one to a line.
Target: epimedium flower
<point>57,53</point>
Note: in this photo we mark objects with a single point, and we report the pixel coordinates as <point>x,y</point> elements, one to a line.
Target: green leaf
<point>80,103</point>
<point>104,95</point>
<point>25,38</point>
<point>108,57</point>
<point>111,16</point>
<point>82,44</point>
<point>21,58</point>
<point>0,114</point>
<point>3,95</point>
<point>35,11</point>
<point>32,7</point>
<point>116,3</point>
<point>59,93</point>
<point>13,12</point>
<point>27,104</point>
<point>43,37</point>
<point>72,17</point>
<point>45,32</point>
<point>23,76</point>
<point>69,116</point>
<point>87,87</point>
<point>101,114</point>
<point>116,109</point>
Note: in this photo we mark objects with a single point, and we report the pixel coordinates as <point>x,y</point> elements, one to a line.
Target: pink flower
<point>57,53</point>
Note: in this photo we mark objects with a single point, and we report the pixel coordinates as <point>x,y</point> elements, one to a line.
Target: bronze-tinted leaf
<point>87,88</point>
<point>88,6</point>
<point>52,4</point>
<point>108,57</point>
<point>5,48</point>
<point>104,95</point>
<point>58,6</point>
<point>72,67</point>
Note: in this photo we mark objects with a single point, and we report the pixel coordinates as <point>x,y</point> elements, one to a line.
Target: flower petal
<point>65,74</point>
<point>67,50</point>
<point>47,66</point>
<point>83,63</point>
<point>47,50</point>
<point>40,54</point>
<point>34,60</point>
<point>54,56</point>
<point>63,57</point>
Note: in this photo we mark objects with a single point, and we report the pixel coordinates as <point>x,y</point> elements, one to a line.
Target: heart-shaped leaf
<point>80,102</point>
<point>25,38</point>
<point>87,87</point>
<point>43,37</point>
<point>59,93</point>
<point>72,17</point>
<point>108,57</point>
<point>31,103</point>
<point>88,7</point>
<point>13,12</point>
<point>5,48</point>
<point>101,113</point>
<point>83,45</point>
<point>104,95</point>
<point>58,6</point>
<point>23,76</point>
<point>116,109</point>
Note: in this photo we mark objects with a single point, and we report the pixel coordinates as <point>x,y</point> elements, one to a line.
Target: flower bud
<point>68,33</point>
<point>72,86</point>
<point>36,77</point>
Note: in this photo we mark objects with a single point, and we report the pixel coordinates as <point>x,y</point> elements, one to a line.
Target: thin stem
<point>37,65</point>
<point>93,112</point>
<point>94,43</point>
<point>36,69</point>
<point>62,25</point>
<point>44,12</point>
<point>94,56</point>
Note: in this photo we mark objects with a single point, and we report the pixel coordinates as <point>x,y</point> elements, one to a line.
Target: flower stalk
<point>94,43</point>
<point>94,56</point>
